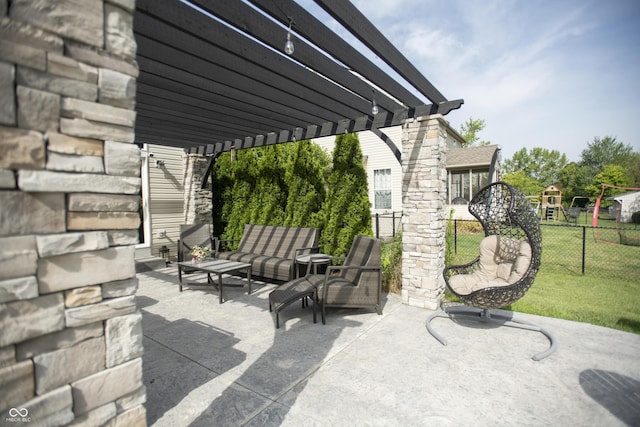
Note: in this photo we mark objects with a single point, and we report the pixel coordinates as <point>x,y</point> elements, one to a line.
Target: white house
<point>468,170</point>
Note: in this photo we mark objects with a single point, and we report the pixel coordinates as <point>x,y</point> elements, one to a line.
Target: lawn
<point>608,294</point>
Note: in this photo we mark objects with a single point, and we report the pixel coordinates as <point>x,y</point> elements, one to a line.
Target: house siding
<point>166,197</point>
<point>377,155</point>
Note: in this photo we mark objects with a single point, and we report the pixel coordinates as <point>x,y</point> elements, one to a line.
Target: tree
<point>606,151</point>
<point>540,164</point>
<point>258,191</point>
<point>346,211</point>
<point>305,175</point>
<point>271,191</point>
<point>572,180</point>
<point>222,185</point>
<point>525,183</point>
<point>613,175</point>
<point>469,131</point>
<point>281,184</point>
<point>634,170</point>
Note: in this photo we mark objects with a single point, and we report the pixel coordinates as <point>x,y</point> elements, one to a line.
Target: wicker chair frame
<point>502,210</point>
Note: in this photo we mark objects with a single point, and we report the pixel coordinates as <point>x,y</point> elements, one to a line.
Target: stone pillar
<point>423,204</point>
<point>70,332</point>
<point>197,201</point>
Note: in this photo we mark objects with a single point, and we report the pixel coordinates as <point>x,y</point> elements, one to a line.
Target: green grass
<point>611,303</point>
<point>608,294</point>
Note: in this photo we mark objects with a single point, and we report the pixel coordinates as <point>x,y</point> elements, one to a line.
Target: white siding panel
<point>166,197</point>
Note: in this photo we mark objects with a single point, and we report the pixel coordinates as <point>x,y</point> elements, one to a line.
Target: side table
<point>312,261</point>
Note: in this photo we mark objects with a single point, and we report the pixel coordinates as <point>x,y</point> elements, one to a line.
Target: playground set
<point>549,207</point>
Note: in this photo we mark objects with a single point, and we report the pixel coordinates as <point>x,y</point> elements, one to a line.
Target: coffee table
<point>216,266</point>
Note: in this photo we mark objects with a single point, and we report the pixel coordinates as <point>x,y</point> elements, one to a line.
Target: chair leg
<point>496,318</point>
<point>432,331</point>
<point>315,305</point>
<point>487,316</point>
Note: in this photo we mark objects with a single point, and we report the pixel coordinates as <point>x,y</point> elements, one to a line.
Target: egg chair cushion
<point>502,262</point>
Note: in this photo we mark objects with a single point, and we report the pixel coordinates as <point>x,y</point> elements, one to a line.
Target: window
<point>463,184</point>
<point>479,180</point>
<point>382,188</point>
<point>460,185</point>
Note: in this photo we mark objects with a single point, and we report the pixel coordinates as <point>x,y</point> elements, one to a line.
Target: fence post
<point>584,247</point>
<point>393,224</point>
<point>455,236</point>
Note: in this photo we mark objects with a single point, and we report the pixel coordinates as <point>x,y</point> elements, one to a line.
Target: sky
<point>553,74</point>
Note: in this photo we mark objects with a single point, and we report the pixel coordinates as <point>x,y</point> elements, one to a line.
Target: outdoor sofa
<point>271,250</point>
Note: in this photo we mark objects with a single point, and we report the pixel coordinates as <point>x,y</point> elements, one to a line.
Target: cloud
<point>542,73</point>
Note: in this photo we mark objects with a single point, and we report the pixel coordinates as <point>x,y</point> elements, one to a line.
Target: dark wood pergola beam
<point>213,76</point>
<point>235,12</point>
<point>312,29</point>
<point>265,85</point>
<point>353,20</point>
<point>227,100</point>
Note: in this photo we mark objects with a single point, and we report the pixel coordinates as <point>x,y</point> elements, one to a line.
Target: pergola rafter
<point>213,75</point>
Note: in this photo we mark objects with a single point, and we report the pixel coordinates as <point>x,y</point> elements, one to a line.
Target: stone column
<point>70,332</point>
<point>197,203</point>
<point>423,204</point>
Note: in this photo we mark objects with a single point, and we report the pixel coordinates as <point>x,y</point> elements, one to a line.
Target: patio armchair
<point>192,235</point>
<point>357,283</point>
<point>506,267</point>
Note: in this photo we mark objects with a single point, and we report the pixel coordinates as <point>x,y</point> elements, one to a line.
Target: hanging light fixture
<point>288,46</point>
<point>374,105</point>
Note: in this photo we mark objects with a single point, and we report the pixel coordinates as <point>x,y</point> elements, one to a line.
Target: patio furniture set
<point>503,272</point>
<point>288,256</point>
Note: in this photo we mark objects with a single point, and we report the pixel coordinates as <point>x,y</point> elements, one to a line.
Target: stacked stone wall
<point>424,214</point>
<point>197,202</point>
<point>70,331</point>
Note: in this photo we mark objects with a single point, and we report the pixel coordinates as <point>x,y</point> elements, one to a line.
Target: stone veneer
<point>70,331</point>
<point>197,201</point>
<point>423,203</point>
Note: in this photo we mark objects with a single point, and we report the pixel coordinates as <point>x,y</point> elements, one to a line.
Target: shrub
<point>468,227</point>
<point>448,254</point>
<point>346,211</point>
<point>391,259</point>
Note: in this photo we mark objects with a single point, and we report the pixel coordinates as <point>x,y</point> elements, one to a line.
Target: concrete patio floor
<point>210,364</point>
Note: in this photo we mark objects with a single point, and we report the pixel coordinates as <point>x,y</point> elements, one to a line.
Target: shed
<point>625,205</point>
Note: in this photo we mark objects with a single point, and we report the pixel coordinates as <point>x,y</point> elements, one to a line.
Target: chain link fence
<point>607,252</point>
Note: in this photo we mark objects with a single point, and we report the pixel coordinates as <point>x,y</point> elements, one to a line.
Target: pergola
<point>214,75</point>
